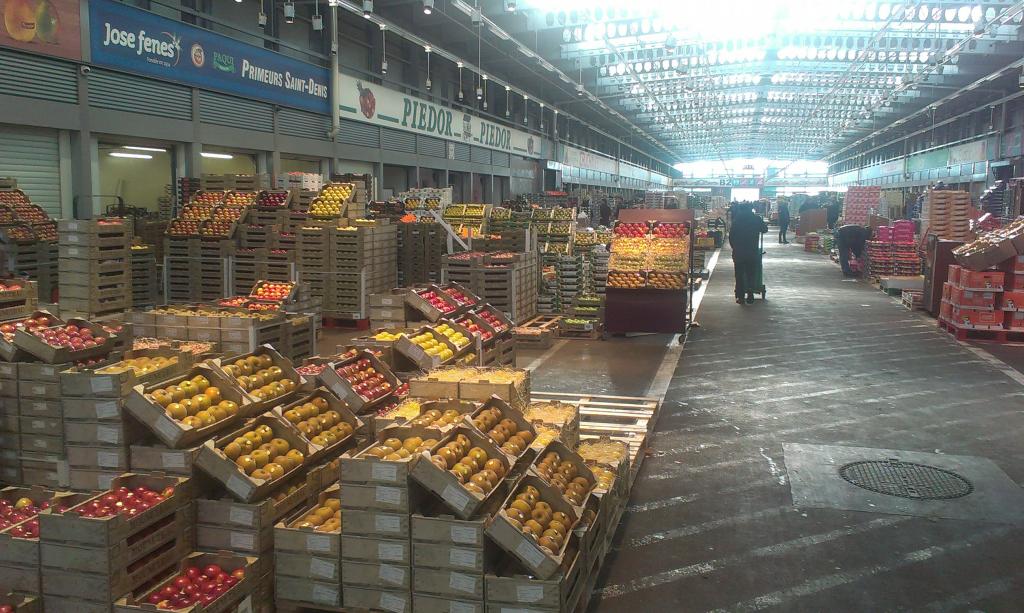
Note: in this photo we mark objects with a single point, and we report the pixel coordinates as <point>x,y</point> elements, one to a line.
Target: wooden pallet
<point>995,335</point>
<point>587,335</point>
<point>538,333</point>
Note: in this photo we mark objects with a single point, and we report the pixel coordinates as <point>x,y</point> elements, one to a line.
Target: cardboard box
<point>215,463</point>
<point>225,365</point>
<point>33,371</point>
<point>364,468</point>
<point>174,433</point>
<point>518,544</point>
<point>393,601</point>
<point>308,541</point>
<point>506,412</point>
<point>447,582</point>
<point>94,383</point>
<point>507,590</point>
<point>157,458</point>
<point>971,298</point>
<point>447,486</point>
<point>344,390</point>
<point>22,603</point>
<point>110,458</point>
<point>307,591</point>
<point>39,408</point>
<point>429,603</point>
<point>138,601</point>
<point>372,549</point>
<point>333,450</point>
<point>986,280</point>
<point>418,356</point>
<point>564,454</point>
<point>369,574</point>
<point>34,346</point>
<point>91,409</point>
<point>38,389</point>
<point>360,522</point>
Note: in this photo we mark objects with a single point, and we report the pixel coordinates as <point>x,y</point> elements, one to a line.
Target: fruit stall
<point>397,473</point>
<point>650,275</point>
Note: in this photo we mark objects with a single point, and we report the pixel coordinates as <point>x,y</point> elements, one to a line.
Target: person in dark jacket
<point>832,212</point>
<point>606,214</point>
<point>850,239</point>
<point>746,252</point>
<point>783,222</point>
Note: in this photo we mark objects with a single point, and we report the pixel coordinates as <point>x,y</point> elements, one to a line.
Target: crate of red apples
<point>8,350</point>
<point>360,381</point>
<point>202,583</point>
<point>74,341</point>
<point>431,302</point>
<point>274,291</point>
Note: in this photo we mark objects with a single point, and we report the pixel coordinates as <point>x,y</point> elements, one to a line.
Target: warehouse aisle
<point>712,525</point>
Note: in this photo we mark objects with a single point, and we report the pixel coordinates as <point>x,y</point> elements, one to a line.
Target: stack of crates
<point>509,282</point>
<point>181,268</point>
<point>421,247</point>
<point>43,455</point>
<point>145,289</point>
<point>213,268</point>
<point>95,266</point>
<point>449,556</point>
<point>10,429</point>
<point>87,564</point>
<point>307,561</point>
<point>364,261</point>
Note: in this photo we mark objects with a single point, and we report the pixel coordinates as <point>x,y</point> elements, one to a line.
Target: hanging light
<point>461,95</point>
<point>484,91</point>
<point>289,12</point>
<point>508,110</point>
<point>428,7</point>
<point>510,6</point>
<point>367,8</point>
<point>317,19</point>
<point>383,49</point>
<point>526,109</point>
<point>428,83</point>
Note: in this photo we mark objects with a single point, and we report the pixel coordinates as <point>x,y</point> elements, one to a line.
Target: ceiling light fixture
<point>510,6</point>
<point>428,7</point>
<point>483,94</point>
<point>217,156</point>
<point>383,49</point>
<point>289,12</point>
<point>461,95</point>
<point>134,156</point>
<point>261,19</point>
<point>134,148</point>
<point>367,8</point>
<point>428,82</point>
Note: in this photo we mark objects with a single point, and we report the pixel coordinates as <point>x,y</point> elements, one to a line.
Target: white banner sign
<point>968,152</point>
<point>372,103</point>
<point>591,161</point>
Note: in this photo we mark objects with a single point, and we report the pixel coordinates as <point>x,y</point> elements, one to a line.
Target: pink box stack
<point>859,202</point>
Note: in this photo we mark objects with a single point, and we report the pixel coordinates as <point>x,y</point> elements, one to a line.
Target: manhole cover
<point>906,479</point>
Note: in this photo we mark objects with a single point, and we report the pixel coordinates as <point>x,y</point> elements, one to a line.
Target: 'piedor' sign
<point>426,117</point>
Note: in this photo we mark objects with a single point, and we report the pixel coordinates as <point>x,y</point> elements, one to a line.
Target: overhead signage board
<point>135,40</point>
<point>579,158</point>
<point>48,27</point>
<point>968,152</point>
<point>376,104</point>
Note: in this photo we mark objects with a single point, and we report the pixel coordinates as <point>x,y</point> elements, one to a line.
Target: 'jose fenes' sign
<point>134,40</point>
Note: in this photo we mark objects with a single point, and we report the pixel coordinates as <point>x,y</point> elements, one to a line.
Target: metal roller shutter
<point>36,77</point>
<point>124,92</point>
<point>360,134</point>
<point>395,140</point>
<point>499,159</point>
<point>481,155</point>
<point>462,152</point>
<point>302,124</point>
<point>33,158</point>
<point>235,112</point>
<point>428,145</point>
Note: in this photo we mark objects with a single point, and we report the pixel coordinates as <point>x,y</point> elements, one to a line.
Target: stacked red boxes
<point>859,202</point>
<point>973,299</point>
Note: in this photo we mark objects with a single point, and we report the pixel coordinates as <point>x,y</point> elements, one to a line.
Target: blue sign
<point>134,40</point>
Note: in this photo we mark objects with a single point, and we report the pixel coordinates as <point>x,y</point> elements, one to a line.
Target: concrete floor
<point>711,524</point>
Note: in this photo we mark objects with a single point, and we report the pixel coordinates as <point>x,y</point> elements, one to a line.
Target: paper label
<point>388,495</point>
<point>39,424</point>
<point>465,535</point>
<point>73,251</point>
<point>387,301</point>
<point>462,583</point>
<point>172,460</point>
<point>465,558</point>
<point>325,593</point>
<point>391,574</point>
<point>108,434</point>
<point>456,497</point>
<point>104,481</point>
<point>107,409</point>
<point>322,568</point>
<point>71,238</point>
<point>384,472</point>
<point>529,593</point>
<point>386,523</point>
<point>38,390</point>
<point>240,516</point>
<point>108,459</point>
<point>241,540</point>
<point>529,553</point>
<point>47,371</point>
<point>391,552</point>
<point>455,606</point>
<point>237,484</point>
<point>390,602</point>
<point>40,407</point>
<point>318,542</point>
<point>167,429</point>
<point>102,384</point>
<point>39,443</point>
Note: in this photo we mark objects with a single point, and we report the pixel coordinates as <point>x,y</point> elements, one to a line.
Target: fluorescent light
<point>135,156</point>
<point>217,156</point>
<point>134,148</point>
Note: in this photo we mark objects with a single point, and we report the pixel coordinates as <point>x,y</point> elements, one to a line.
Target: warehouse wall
<point>139,182</point>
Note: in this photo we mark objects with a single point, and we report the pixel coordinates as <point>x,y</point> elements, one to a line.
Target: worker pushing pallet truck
<point>746,237</point>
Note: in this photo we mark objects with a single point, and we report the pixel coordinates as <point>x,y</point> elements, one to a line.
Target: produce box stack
<point>233,330</point>
<point>364,262</point>
<point>948,214</point>
<point>507,281</point>
<point>18,298</point>
<point>467,219</point>
<point>300,181</point>
<point>43,454</point>
<point>421,246</point>
<point>144,277</point>
<point>10,428</point>
<point>96,429</point>
<point>377,500</point>
<point>449,559</point>
<point>973,300</point>
<point>307,554</point>
<point>861,201</point>
<point>225,584</point>
<point>95,266</point>
<point>110,545</point>
<point>28,239</point>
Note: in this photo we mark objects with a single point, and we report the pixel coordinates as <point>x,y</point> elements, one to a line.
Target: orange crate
<point>988,279</point>
<point>969,298</point>
<point>976,318</point>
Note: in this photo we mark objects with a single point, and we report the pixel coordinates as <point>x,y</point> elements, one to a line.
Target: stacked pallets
<point>860,201</point>
<point>145,288</point>
<point>507,281</point>
<point>95,267</point>
<point>948,214</point>
<point>343,266</point>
